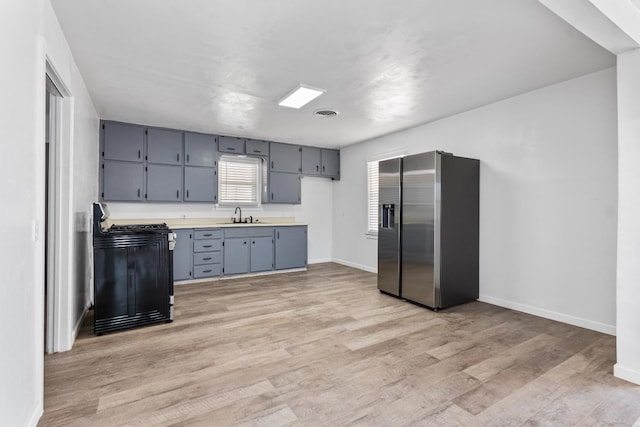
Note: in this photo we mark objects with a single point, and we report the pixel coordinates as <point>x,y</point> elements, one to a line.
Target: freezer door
<point>389,221</point>
<point>419,188</point>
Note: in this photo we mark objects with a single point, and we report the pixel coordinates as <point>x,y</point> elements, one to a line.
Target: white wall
<point>548,201</point>
<point>628,287</point>
<point>315,210</point>
<point>26,41</point>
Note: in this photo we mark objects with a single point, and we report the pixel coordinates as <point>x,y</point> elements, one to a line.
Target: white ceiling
<point>220,66</point>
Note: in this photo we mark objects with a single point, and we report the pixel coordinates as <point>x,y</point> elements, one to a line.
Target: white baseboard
<point>553,315</point>
<point>36,414</point>
<point>319,260</point>
<point>356,265</point>
<point>78,325</point>
<point>626,374</point>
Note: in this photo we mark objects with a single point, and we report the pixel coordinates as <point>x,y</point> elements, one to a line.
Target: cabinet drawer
<point>248,232</point>
<point>207,234</point>
<point>207,258</point>
<point>200,271</point>
<point>207,245</point>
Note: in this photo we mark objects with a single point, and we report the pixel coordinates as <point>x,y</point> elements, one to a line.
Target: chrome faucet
<point>235,212</point>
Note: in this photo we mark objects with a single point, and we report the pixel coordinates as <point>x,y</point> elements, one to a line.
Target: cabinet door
<point>236,256</point>
<point>331,163</point>
<point>285,158</point>
<point>200,184</point>
<point>199,149</point>
<point>230,144</point>
<point>164,183</point>
<point>149,288</point>
<point>183,255</point>
<point>284,188</point>
<point>111,298</point>
<point>256,147</point>
<point>310,161</point>
<point>261,254</point>
<point>122,181</point>
<point>123,141</point>
<point>164,146</point>
<point>291,247</point>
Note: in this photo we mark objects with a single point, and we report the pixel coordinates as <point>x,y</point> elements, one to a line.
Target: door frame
<point>59,244</point>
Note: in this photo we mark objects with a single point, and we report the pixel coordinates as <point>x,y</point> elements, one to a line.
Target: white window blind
<point>238,180</point>
<point>372,197</point>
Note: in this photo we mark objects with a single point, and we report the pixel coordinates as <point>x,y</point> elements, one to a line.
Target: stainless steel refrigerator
<point>428,228</point>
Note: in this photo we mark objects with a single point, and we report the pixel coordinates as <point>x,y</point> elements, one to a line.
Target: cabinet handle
<point>322,168</point>
<point>138,193</point>
<point>278,235</point>
<point>271,164</point>
<point>138,153</point>
<point>178,157</point>
<point>187,194</point>
<point>208,235</point>
<point>272,195</point>
<point>317,168</point>
<point>245,242</point>
<point>206,259</point>
<point>253,243</point>
<point>206,271</point>
<point>177,194</point>
<point>207,246</point>
<point>231,149</point>
<point>257,151</point>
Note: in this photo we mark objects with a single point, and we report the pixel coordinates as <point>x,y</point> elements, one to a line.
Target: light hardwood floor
<point>324,347</point>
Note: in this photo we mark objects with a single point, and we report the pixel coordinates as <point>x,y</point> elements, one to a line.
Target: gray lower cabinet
<point>207,252</point>
<point>164,183</point>
<point>164,146</point>
<point>261,253</point>
<point>311,161</point>
<point>122,141</point>
<point>183,255</point>
<point>236,255</point>
<point>290,247</point>
<point>200,184</point>
<point>331,163</point>
<point>122,181</point>
<point>284,188</point>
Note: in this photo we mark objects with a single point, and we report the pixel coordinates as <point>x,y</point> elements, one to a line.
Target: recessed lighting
<point>300,96</point>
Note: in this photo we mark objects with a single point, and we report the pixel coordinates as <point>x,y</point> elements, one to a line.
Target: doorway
<point>51,176</point>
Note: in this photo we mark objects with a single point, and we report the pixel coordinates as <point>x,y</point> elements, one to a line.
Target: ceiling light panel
<point>300,96</point>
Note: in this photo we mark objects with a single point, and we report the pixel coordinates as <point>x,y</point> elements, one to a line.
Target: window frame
<point>254,161</point>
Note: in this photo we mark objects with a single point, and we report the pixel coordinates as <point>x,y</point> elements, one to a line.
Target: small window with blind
<point>239,180</point>
<point>372,197</point>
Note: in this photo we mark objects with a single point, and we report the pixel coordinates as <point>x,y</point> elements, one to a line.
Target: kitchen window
<point>239,180</point>
<point>372,197</point>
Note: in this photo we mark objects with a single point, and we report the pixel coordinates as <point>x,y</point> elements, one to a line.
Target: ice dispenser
<point>388,215</point>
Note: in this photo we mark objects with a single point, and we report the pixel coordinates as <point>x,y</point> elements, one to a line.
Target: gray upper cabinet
<point>331,163</point>
<point>285,158</point>
<point>122,181</point>
<point>284,188</point>
<point>311,161</point>
<point>183,255</point>
<point>290,247</point>
<point>255,147</point>
<point>164,183</point>
<point>122,141</point>
<point>261,254</point>
<point>200,149</point>
<point>164,146</point>
<point>236,256</point>
<point>230,144</point>
<point>200,184</point>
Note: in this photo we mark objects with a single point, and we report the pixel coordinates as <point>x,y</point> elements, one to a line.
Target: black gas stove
<point>133,271</point>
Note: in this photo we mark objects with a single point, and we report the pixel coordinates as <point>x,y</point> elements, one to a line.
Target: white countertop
<point>205,222</point>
